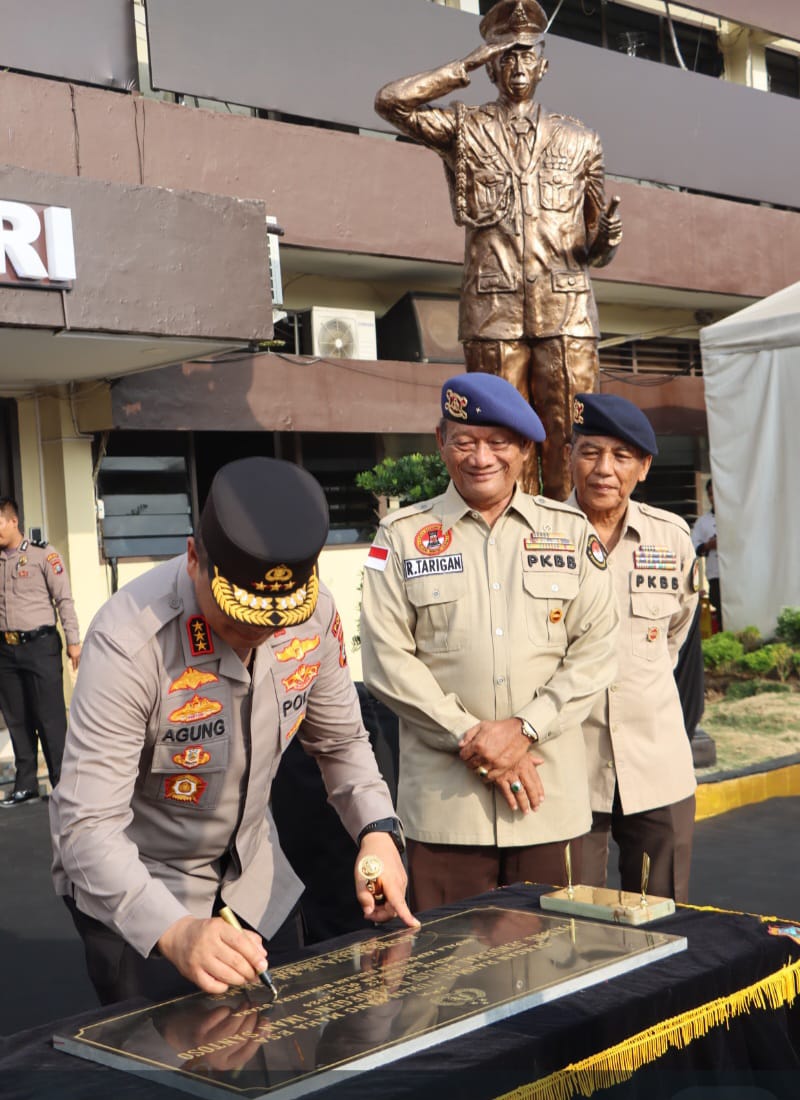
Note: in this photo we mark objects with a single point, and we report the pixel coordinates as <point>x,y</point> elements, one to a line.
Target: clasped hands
<point>503,752</point>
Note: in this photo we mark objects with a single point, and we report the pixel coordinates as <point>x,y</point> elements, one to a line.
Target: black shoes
<point>17,798</point>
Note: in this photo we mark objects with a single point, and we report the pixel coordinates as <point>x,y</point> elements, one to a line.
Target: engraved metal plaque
<point>367,1004</point>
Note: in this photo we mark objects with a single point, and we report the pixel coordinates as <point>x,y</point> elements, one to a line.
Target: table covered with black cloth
<point>718,1021</point>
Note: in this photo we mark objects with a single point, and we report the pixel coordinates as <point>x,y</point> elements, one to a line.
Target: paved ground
<point>747,860</point>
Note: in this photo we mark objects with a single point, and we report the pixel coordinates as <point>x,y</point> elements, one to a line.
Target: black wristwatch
<point>390,825</point>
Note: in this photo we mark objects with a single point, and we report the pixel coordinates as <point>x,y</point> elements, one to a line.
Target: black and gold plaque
<point>362,1006</point>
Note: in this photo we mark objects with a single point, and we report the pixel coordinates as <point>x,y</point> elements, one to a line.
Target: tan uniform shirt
<point>635,736</point>
<point>461,622</point>
<point>171,752</point>
<point>33,585</point>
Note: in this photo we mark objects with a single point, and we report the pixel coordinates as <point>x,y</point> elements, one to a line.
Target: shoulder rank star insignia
<point>200,640</point>
<point>596,552</point>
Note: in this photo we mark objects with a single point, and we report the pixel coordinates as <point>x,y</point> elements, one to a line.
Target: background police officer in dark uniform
<point>33,586</point>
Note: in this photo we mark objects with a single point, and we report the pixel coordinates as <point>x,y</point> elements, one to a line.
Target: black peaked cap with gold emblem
<point>263,526</point>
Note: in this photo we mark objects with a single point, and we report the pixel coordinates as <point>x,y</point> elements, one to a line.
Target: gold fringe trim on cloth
<point>731,794</point>
<point>619,1063</point>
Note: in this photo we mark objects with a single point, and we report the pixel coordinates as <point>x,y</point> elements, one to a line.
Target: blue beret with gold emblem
<point>262,526</point>
<point>607,414</point>
<point>486,400</point>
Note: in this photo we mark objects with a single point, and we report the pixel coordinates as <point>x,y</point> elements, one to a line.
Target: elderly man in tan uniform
<point>640,760</point>
<point>34,587</point>
<point>488,626</point>
<point>195,678</point>
<point>528,187</point>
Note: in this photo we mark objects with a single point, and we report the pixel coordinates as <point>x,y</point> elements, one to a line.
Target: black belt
<point>20,637</point>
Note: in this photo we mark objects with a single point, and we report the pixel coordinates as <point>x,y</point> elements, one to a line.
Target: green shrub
<point>721,651</point>
<point>789,625</point>
<point>750,638</point>
<point>777,658</point>
<point>744,689</point>
<point>761,662</point>
<point>784,659</point>
<point>411,478</point>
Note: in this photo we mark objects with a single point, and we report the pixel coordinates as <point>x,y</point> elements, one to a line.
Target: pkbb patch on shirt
<point>301,678</point>
<point>196,710</point>
<point>546,540</point>
<point>184,788</point>
<point>193,757</point>
<point>654,582</point>
<point>191,679</point>
<point>297,649</point>
<point>596,553</point>
<point>431,539</point>
<point>377,558</point>
<point>424,567</point>
<point>655,557</point>
<point>200,641</point>
<point>543,563</point>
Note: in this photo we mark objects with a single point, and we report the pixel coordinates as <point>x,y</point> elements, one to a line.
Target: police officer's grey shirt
<point>171,752</point>
<point>33,586</point>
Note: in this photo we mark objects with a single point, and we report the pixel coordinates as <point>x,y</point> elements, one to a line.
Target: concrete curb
<point>717,794</point>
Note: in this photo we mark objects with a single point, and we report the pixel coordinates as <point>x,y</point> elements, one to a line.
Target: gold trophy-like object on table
<point>602,903</point>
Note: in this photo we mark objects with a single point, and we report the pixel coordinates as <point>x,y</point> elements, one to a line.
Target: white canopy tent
<point>751,364</point>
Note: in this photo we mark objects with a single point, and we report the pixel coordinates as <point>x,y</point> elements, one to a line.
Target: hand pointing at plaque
<point>381,880</point>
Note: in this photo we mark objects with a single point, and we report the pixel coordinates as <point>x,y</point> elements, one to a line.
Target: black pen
<point>264,976</point>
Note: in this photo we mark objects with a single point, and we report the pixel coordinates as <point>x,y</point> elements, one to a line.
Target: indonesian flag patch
<point>377,558</point>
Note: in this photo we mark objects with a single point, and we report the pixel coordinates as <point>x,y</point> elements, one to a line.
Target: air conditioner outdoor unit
<point>339,333</point>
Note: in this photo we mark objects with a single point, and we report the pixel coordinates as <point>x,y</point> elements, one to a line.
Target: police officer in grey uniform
<point>641,773</point>
<point>195,679</point>
<point>489,626</point>
<point>34,586</point>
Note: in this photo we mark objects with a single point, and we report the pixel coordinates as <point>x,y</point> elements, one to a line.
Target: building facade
<point>171,131</point>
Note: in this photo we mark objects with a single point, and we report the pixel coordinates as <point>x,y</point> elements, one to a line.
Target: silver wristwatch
<point>529,731</point>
